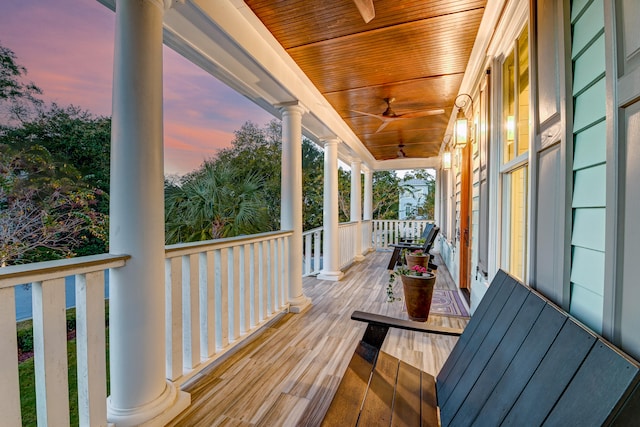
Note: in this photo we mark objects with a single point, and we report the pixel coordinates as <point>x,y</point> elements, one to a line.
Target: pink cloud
<point>67,47</point>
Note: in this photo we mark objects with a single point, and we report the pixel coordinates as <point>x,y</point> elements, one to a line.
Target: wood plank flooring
<point>288,375</point>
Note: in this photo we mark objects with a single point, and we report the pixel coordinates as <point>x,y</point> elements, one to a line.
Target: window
<point>408,210</point>
<point>515,148</point>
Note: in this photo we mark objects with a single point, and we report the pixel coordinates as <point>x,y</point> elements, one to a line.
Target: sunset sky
<point>67,48</point>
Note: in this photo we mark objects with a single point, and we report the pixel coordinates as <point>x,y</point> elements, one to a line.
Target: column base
<point>299,304</point>
<point>359,258</point>
<point>334,276</point>
<point>157,413</point>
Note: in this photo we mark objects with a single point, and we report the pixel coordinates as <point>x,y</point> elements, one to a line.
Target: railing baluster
<point>246,288</point>
<point>284,286</point>
<point>90,339</point>
<point>277,276</point>
<point>264,279</point>
<point>255,284</point>
<point>9,381</point>
<point>272,277</point>
<point>222,295</point>
<point>50,352</point>
<point>234,294</point>
<point>207,305</point>
<point>190,312</point>
<point>317,251</point>
<point>173,317</point>
<point>308,256</point>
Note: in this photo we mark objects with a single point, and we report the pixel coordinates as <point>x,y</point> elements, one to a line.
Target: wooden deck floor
<point>288,375</point>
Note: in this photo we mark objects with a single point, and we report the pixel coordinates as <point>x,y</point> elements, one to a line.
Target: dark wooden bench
<point>520,361</point>
<point>426,247</point>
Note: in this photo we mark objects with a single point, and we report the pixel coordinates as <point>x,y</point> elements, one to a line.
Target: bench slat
<point>480,357</point>
<point>352,388</point>
<point>499,362</point>
<point>494,290</point>
<point>447,384</point>
<point>378,403</point>
<point>604,389</point>
<point>429,410</point>
<point>552,376</point>
<point>522,367</point>
<point>406,403</point>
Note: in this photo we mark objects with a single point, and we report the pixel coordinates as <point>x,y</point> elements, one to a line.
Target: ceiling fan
<point>389,115</point>
<point>365,7</point>
<point>401,154</point>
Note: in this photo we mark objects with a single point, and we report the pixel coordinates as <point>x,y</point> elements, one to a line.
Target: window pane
<point>518,222</point>
<point>508,107</point>
<point>523,92</point>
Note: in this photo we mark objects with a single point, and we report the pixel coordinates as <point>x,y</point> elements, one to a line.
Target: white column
<point>356,206</point>
<point>368,195</point>
<point>331,246</point>
<point>139,392</point>
<point>291,200</point>
<point>367,212</point>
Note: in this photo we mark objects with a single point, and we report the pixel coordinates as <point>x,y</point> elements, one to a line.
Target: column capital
<point>292,107</point>
<point>164,5</point>
<point>330,140</point>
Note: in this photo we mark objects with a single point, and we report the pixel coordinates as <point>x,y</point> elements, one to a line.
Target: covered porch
<point>289,373</point>
<point>543,186</point>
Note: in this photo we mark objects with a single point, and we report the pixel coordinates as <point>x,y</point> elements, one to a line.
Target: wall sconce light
<point>462,123</point>
<point>446,160</point>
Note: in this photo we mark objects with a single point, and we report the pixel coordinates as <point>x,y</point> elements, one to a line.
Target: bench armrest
<point>409,325</point>
<point>406,246</point>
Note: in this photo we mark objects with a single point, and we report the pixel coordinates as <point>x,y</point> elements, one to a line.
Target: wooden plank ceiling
<point>413,51</point>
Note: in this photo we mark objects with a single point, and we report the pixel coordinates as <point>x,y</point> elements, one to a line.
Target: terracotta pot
<point>422,260</point>
<point>418,291</point>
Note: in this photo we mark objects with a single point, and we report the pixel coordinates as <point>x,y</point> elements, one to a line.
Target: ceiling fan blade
<point>383,125</point>
<point>366,9</point>
<point>377,116</point>
<point>424,113</point>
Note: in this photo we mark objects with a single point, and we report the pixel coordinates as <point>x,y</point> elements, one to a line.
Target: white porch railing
<point>387,232</point>
<point>50,339</point>
<point>219,292</point>
<point>312,246</point>
<point>347,243</point>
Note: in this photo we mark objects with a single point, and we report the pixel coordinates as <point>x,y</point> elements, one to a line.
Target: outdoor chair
<point>426,247</point>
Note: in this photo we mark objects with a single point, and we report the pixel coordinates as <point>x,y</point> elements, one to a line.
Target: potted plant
<point>417,285</point>
<point>417,257</point>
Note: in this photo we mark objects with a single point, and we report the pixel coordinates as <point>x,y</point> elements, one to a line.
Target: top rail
<point>40,271</point>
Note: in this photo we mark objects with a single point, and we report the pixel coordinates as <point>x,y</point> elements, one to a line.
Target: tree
<point>214,202</point>
<point>18,98</point>
<point>44,212</point>
<point>312,185</point>
<point>427,206</point>
<point>386,193</point>
<point>54,174</point>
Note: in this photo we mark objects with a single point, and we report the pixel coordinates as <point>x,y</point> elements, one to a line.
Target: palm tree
<point>212,203</point>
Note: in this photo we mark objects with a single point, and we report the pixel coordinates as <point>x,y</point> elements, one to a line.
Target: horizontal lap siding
<point>588,234</point>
